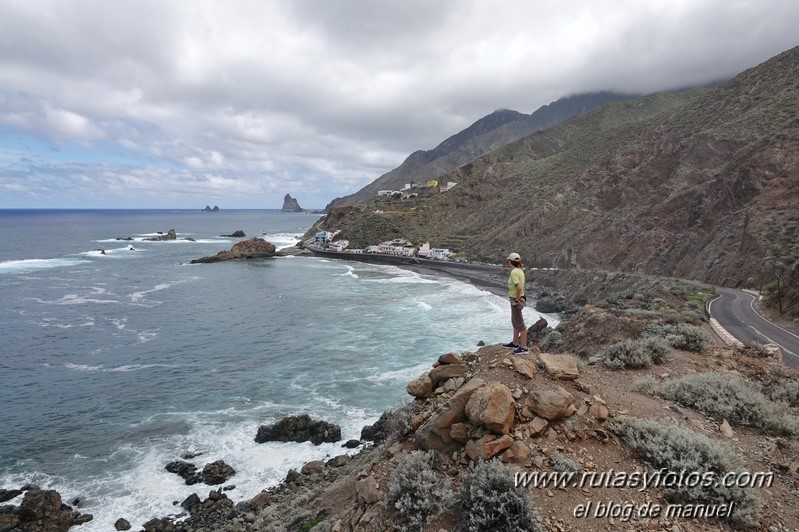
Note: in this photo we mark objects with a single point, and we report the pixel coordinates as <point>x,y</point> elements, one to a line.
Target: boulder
<point>380,431</point>
<point>367,490</point>
<point>450,358</point>
<point>352,444</point>
<point>460,432</point>
<point>537,331</point>
<point>42,510</point>
<point>538,425</point>
<point>554,304</point>
<point>314,467</point>
<point>552,405</point>
<point>7,495</point>
<point>122,524</point>
<point>217,473</point>
<point>184,470</point>
<point>488,446</point>
<point>517,453</point>
<point>523,366</point>
<point>599,411</point>
<point>492,407</point>
<point>562,367</point>
<point>299,429</point>
<point>447,371</point>
<point>435,432</point>
<point>254,248</point>
<point>421,387</point>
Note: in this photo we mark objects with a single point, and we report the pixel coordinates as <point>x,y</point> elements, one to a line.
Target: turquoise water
<point>114,364</point>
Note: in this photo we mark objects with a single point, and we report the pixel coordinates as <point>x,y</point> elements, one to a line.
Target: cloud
<point>248,100</point>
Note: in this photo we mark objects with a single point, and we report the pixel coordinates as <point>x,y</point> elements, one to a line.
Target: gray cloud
<point>248,100</point>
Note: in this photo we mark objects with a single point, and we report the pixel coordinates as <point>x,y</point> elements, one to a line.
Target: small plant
<point>673,448</point>
<point>561,464</point>
<point>724,397</point>
<point>551,342</point>
<point>646,385</point>
<point>489,500</point>
<point>416,492</point>
<point>640,353</point>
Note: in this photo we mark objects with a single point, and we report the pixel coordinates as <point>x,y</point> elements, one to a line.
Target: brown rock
<point>421,387</point>
<point>261,500</point>
<point>434,433</point>
<point>726,429</point>
<point>599,411</point>
<point>538,425</point>
<point>488,446</point>
<point>447,371</point>
<point>450,358</point>
<point>517,453</point>
<point>492,407</point>
<point>460,432</point>
<point>550,404</point>
<point>560,366</point>
<point>523,366</point>
<point>368,491</point>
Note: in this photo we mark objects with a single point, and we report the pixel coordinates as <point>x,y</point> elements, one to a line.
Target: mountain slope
<point>698,185</point>
<point>487,134</point>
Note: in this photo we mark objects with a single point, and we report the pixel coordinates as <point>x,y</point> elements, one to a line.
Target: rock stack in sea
<point>254,248</point>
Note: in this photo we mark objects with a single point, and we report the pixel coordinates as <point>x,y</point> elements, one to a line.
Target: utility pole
<point>778,271</point>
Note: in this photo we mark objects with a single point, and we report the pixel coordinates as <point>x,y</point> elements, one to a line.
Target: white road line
<point>752,304</point>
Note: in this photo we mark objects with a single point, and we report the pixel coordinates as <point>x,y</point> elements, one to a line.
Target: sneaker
<point>521,351</point>
<point>510,345</point>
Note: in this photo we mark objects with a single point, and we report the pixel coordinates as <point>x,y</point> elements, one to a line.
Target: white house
<point>385,192</point>
<point>439,253</point>
<point>339,245</point>
<point>372,249</point>
<point>322,237</point>
<point>424,249</point>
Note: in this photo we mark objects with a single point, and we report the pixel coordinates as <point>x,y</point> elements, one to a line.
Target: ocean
<point>114,363</point>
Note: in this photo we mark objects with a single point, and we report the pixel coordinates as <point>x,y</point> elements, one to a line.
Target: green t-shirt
<point>516,277</point>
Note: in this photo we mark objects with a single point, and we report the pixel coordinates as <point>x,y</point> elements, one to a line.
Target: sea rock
<point>435,432</point>
<point>217,473</point>
<point>236,234</point>
<point>313,467</point>
<point>42,511</point>
<point>170,235</point>
<point>352,444</point>
<point>492,407</point>
<point>299,429</point>
<point>122,524</point>
<point>184,470</point>
<point>291,204</point>
<point>7,495</point>
<point>562,367</point>
<point>339,461</point>
<point>209,209</point>
<point>552,405</point>
<point>254,248</point>
<point>379,431</point>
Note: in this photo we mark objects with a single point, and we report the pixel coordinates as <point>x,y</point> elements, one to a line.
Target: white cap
<point>514,257</point>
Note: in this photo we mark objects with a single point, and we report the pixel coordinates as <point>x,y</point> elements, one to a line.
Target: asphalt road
<point>735,311</point>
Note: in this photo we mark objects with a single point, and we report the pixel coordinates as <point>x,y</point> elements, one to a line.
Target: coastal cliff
<point>616,391</point>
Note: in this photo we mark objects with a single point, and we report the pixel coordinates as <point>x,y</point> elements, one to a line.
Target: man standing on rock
<point>516,282</point>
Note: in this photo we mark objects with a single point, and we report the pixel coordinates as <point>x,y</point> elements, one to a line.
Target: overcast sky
<point>183,103</point>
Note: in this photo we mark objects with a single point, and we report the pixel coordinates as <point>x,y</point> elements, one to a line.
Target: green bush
<point>551,342</point>
<point>784,390</point>
<point>675,448</point>
<point>679,336</point>
<point>724,397</point>
<point>640,353</point>
<point>490,500</point>
<point>416,492</point>
<point>562,464</point>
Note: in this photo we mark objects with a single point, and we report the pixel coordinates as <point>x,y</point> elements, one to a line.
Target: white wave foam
<point>146,336</point>
<point>139,367</point>
<point>29,265</point>
<point>136,297</point>
<point>282,240</point>
<point>349,273</point>
<point>74,299</point>
<point>83,367</point>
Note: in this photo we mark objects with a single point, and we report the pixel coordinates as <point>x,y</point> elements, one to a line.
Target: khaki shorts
<point>516,317</point>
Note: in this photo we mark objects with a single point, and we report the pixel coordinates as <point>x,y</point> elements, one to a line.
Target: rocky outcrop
<point>562,367</point>
<point>41,511</point>
<point>254,248</point>
<point>299,429</point>
<point>209,209</point>
<point>236,234</point>
<point>537,331</point>
<point>435,432</point>
<point>214,473</point>
<point>170,235</point>
<point>291,205</point>
<point>379,431</point>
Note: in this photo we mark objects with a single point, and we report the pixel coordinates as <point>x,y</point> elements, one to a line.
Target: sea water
<point>118,356</point>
